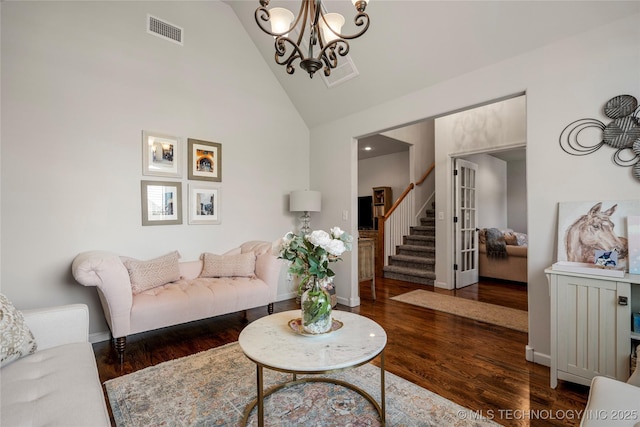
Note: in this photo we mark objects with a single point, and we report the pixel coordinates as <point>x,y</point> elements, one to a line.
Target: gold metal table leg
<point>383,415</point>
<point>259,401</point>
<point>260,396</point>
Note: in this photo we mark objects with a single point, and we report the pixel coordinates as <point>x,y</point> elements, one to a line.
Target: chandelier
<point>322,34</point>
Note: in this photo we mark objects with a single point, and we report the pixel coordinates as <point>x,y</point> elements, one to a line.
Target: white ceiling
<point>411,45</point>
<point>379,145</point>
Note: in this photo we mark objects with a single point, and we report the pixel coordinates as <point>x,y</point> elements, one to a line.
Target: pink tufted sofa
<point>190,297</point>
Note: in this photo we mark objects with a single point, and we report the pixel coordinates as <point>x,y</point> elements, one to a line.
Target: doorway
<point>495,129</point>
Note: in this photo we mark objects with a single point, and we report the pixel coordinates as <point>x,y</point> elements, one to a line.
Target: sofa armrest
<point>518,251</point>
<point>267,264</point>
<point>106,271</point>
<point>54,326</point>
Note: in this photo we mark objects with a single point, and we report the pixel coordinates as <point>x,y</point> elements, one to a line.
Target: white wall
<point>564,81</point>
<point>80,81</point>
<point>421,136</point>
<point>517,196</point>
<point>391,170</point>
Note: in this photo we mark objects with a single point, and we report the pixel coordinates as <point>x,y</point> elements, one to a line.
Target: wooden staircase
<point>415,259</point>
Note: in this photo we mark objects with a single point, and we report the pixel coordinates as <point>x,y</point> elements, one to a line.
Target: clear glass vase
<point>316,309</point>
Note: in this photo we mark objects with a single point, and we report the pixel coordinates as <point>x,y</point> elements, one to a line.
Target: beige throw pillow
<point>240,265</point>
<point>16,337</point>
<point>153,273</point>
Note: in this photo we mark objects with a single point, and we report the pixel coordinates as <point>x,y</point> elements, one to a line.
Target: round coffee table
<point>271,343</point>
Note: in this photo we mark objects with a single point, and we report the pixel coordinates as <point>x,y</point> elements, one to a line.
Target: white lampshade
<point>280,19</point>
<point>335,21</point>
<point>304,201</point>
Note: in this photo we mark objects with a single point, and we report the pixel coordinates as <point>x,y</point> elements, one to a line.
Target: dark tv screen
<point>365,213</point>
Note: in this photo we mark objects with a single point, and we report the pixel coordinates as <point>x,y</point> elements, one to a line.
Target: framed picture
<point>587,227</point>
<point>161,154</point>
<point>204,204</point>
<point>161,202</point>
<point>205,160</point>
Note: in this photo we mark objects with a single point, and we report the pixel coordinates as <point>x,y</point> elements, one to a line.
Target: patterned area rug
<point>489,313</point>
<point>212,388</point>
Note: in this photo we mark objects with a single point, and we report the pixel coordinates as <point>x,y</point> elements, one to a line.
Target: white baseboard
<point>540,358</point>
<point>284,297</point>
<point>353,302</point>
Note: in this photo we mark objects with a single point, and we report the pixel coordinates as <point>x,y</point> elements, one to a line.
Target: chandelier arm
<point>360,19</point>
<point>304,11</point>
<point>281,56</point>
<point>328,54</point>
<point>342,47</point>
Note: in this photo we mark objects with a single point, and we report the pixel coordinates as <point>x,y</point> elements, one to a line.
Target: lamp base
<point>306,220</point>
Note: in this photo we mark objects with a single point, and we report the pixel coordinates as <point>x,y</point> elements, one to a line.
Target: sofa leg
<point>270,308</point>
<point>119,344</point>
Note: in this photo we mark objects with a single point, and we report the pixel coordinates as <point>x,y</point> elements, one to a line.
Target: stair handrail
<point>384,243</point>
<point>398,201</point>
<point>427,173</point>
<point>407,190</point>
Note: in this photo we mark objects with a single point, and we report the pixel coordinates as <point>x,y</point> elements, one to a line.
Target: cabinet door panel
<point>587,317</point>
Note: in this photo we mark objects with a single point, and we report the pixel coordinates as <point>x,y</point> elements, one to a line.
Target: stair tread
<point>413,258</point>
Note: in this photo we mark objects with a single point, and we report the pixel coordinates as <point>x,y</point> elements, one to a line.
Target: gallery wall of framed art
<point>164,155</point>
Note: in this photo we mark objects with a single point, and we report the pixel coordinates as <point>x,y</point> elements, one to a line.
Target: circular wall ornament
<point>620,106</point>
<point>623,134</point>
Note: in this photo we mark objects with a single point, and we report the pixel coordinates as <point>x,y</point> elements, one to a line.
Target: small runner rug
<point>212,388</point>
<point>489,313</point>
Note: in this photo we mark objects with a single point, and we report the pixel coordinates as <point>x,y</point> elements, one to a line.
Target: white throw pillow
<point>17,339</point>
<point>153,273</point>
<point>241,265</point>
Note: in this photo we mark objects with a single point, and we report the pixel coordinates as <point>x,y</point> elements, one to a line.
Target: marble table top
<point>271,342</point>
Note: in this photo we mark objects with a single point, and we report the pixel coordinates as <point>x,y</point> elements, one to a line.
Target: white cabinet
<point>590,326</point>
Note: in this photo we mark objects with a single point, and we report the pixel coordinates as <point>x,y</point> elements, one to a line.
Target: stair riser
<point>420,240</point>
<point>427,265</point>
<point>426,253</point>
<point>423,231</point>
<point>408,278</point>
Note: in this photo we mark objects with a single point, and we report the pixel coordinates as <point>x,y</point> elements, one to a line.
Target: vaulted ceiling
<point>412,45</point>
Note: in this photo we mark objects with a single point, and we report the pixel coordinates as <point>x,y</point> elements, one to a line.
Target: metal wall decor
<point>323,34</point>
<point>622,134</point>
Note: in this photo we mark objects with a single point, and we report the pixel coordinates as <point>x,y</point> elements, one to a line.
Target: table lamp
<point>305,201</point>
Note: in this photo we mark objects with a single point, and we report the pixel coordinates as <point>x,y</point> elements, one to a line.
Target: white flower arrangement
<point>311,254</point>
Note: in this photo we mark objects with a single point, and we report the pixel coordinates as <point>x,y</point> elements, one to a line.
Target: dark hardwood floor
<point>474,364</point>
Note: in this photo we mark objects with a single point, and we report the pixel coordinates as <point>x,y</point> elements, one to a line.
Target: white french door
<point>465,223</point>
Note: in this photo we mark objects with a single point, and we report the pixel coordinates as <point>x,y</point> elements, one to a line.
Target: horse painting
<point>593,231</point>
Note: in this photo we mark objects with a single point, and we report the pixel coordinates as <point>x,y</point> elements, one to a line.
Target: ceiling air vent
<point>165,30</point>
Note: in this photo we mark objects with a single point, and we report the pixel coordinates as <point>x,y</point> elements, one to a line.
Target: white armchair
<point>613,403</point>
<point>58,385</point>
